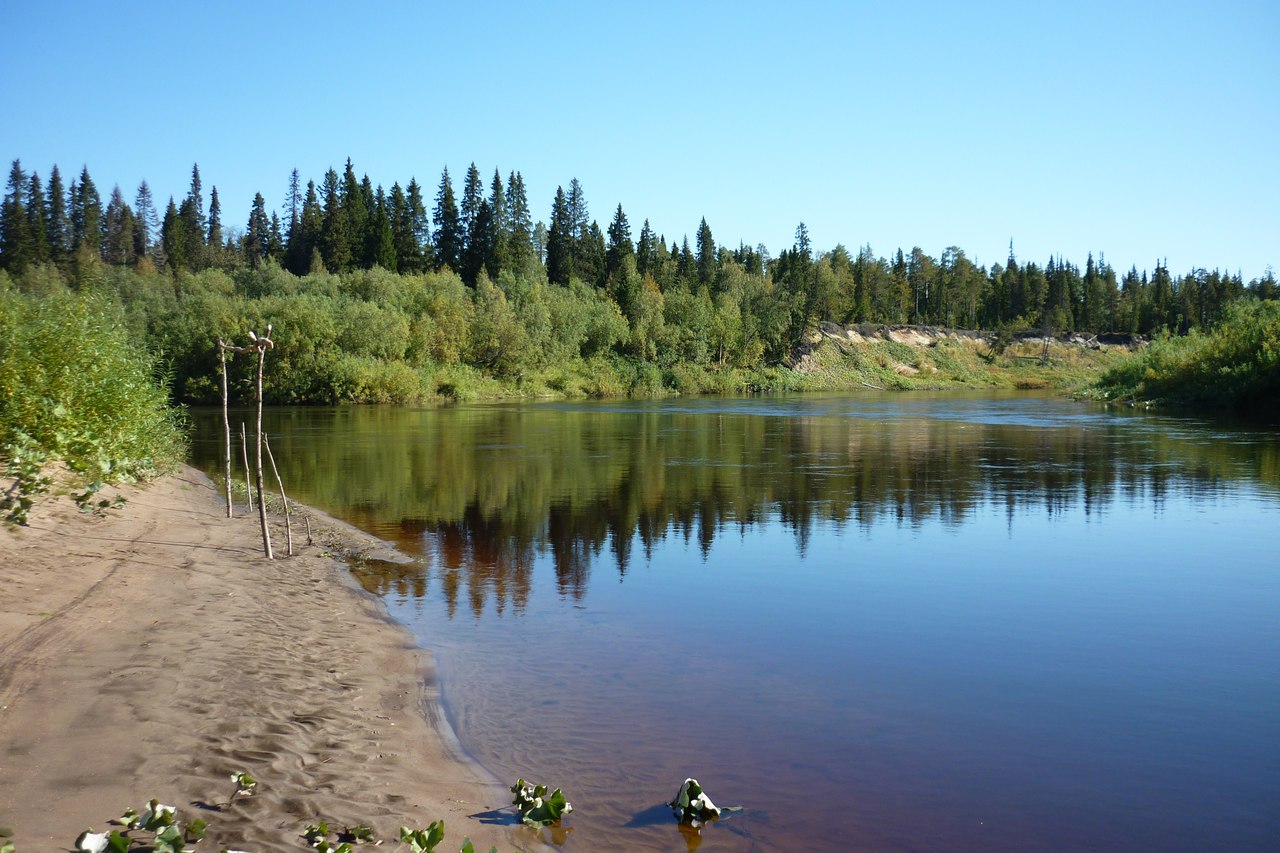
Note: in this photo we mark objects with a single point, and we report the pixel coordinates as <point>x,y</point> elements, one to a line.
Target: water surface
<point>875,621</point>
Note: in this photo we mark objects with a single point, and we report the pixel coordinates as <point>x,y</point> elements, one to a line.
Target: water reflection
<point>480,492</point>
<point>926,621</point>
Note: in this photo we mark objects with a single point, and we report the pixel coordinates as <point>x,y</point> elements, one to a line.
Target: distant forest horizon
<point>345,224</point>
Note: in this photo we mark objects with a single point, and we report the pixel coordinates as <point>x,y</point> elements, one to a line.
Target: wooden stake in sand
<point>260,346</point>
<point>288,528</point>
<point>244,456</point>
<point>263,344</point>
<point>226,427</point>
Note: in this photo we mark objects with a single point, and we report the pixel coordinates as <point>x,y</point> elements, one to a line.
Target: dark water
<point>877,622</point>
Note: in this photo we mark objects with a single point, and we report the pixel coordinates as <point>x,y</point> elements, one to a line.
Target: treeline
<point>476,281</point>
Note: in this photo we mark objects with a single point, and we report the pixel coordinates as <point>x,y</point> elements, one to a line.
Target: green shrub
<point>1237,365</point>
<point>76,386</point>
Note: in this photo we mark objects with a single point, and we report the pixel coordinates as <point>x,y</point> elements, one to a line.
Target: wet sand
<point>152,651</point>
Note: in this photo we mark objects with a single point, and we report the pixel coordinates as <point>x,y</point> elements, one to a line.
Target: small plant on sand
<point>426,840</point>
<point>168,835</point>
<point>317,836</point>
<point>536,808</point>
<point>244,785</point>
<point>423,840</point>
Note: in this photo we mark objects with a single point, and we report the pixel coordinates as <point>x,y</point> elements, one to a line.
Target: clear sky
<point>1138,130</point>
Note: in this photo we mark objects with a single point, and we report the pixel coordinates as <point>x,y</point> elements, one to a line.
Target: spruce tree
<point>499,230</point>
<point>15,229</point>
<point>646,251</point>
<point>619,244</point>
<point>117,232</point>
<point>37,220</point>
<point>172,240</point>
<point>707,260</point>
<point>293,206</point>
<point>479,249</point>
<point>520,248</point>
<point>381,247</point>
<point>591,256</point>
<point>366,231</point>
<point>355,214</point>
<point>448,227</point>
<point>214,241</point>
<point>59,221</point>
<point>197,201</point>
<point>579,223</point>
<point>472,195</point>
<point>147,221</point>
<point>335,240</point>
<point>310,233</point>
<point>257,236</point>
<point>192,248</point>
<point>275,246</point>
<point>419,226</point>
<point>86,213</point>
<point>559,241</point>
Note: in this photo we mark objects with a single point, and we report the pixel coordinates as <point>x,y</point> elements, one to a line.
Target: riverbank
<point>153,651</point>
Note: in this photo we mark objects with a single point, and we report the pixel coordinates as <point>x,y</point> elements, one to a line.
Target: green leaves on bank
<point>77,388</point>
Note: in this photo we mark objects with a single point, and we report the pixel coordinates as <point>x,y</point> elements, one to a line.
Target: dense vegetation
<point>1236,365</point>
<point>376,299</point>
<point>75,386</point>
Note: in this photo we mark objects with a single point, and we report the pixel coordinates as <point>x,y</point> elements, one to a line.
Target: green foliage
<point>536,807</point>
<point>692,806</point>
<point>168,834</point>
<point>423,840</point>
<point>76,387</point>
<point>1236,366</point>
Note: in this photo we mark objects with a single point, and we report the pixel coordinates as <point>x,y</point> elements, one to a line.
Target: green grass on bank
<point>1236,366</point>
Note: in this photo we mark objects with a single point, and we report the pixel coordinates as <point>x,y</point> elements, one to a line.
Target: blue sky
<point>1138,130</point>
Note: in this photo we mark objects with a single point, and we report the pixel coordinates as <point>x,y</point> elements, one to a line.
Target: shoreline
<point>152,651</point>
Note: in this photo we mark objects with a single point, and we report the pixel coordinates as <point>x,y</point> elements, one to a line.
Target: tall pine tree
<point>59,220</point>
<point>147,221</point>
<point>560,241</point>
<point>37,220</point>
<point>15,230</point>
<point>448,227</point>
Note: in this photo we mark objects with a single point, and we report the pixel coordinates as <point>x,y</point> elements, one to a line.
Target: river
<point>874,621</point>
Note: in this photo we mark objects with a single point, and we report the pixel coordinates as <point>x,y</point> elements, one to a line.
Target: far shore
<point>152,651</point>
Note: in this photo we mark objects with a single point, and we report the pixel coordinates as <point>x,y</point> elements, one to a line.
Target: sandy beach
<point>152,651</point>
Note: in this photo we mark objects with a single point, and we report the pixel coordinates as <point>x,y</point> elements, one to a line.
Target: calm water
<point>877,622</point>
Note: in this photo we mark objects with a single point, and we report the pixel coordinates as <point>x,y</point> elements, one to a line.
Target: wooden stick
<point>244,455</point>
<point>288,528</point>
<point>226,428</point>
<point>262,504</point>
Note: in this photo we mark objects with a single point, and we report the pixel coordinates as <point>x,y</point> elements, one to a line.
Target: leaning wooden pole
<point>226,428</point>
<point>262,504</point>
<point>284,499</point>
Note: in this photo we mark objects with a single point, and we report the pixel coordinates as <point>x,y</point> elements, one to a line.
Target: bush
<point>1237,365</point>
<point>77,386</point>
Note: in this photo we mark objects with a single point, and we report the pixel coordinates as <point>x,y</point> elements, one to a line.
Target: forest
<point>375,298</point>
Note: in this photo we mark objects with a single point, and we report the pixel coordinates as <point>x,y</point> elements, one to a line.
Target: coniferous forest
<point>389,295</point>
